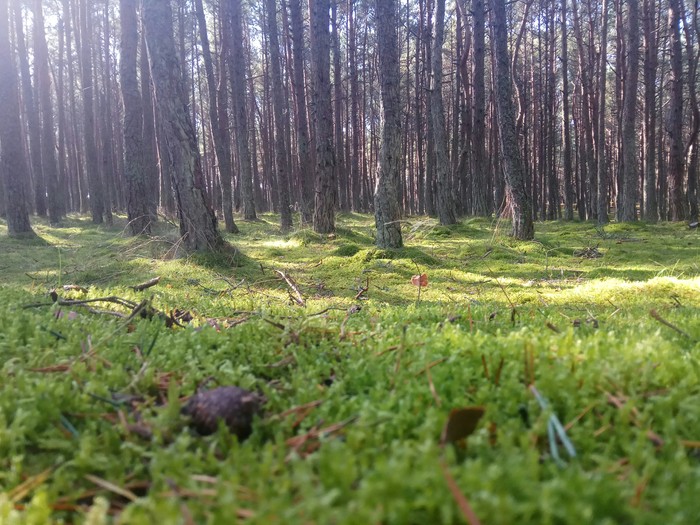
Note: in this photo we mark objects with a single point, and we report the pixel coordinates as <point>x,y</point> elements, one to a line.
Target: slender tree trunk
<point>238,86</point>
<point>523,227</point>
<point>629,120</point>
<point>602,169</point>
<point>355,172</point>
<point>651,212</point>
<point>324,203</point>
<point>566,126</point>
<point>48,137</point>
<point>588,123</point>
<point>340,168</point>
<point>280,117</point>
<point>64,186</point>
<point>150,143</point>
<point>107,146</point>
<point>302,125</point>
<point>692,143</point>
<point>179,152</point>
<point>675,115</point>
<point>32,113</point>
<point>219,135</point>
<point>480,174</point>
<point>445,192</point>
<point>86,80</point>
<point>387,211</point>
<point>13,169</point>
<point>138,213</point>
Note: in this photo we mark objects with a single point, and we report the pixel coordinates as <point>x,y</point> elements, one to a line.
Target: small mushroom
<point>235,406</point>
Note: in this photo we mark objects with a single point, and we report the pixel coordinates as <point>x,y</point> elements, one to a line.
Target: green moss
<point>346,250</point>
<point>71,376</point>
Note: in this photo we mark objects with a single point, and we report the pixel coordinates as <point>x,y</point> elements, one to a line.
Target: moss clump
<point>306,237</point>
<point>346,250</point>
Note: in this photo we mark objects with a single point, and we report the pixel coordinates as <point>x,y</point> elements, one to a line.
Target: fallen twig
<point>147,284</point>
<point>78,302</point>
<point>459,498</point>
<point>297,297</point>
<point>655,315</point>
<point>363,290</point>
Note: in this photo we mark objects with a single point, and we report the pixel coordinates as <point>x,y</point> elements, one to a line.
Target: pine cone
<point>235,406</point>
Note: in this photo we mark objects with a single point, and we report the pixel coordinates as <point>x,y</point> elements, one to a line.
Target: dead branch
<point>74,288</point>
<point>78,302</point>
<point>655,315</point>
<point>147,284</point>
<point>363,290</point>
<point>297,297</point>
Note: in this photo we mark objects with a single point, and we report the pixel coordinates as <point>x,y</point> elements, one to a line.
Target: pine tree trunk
<point>179,153</point>
<point>138,213</point>
<point>219,134</point>
<point>301,120</point>
<point>355,171</point>
<point>238,85</point>
<point>32,114</point>
<point>325,186</point>
<point>566,127</point>
<point>387,212</point>
<point>87,90</point>
<point>651,212</point>
<point>480,174</point>
<point>445,193</point>
<point>602,169</point>
<point>629,119</point>
<point>523,227</point>
<point>675,116</point>
<point>48,137</point>
<point>14,169</point>
<point>340,168</point>
<point>279,114</point>
<point>150,141</point>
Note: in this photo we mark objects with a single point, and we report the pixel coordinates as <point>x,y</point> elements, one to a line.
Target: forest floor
<point>547,382</point>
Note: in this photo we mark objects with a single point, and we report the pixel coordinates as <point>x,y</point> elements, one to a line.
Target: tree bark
<point>602,169</point>
<point>325,186</point>
<point>32,114</point>
<point>340,168</point>
<point>150,142</point>
<point>675,116</point>
<point>629,119</point>
<point>219,134</point>
<point>280,117</point>
<point>86,81</point>
<point>138,213</point>
<point>566,126</point>
<point>238,86</point>
<point>48,137</point>
<point>301,120</point>
<point>480,174</point>
<point>179,153</point>
<point>523,227</point>
<point>13,169</point>
<point>387,212</point>
<point>355,171</point>
<point>651,212</point>
<point>445,192</point>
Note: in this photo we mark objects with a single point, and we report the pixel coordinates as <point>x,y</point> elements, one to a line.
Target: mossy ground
<point>497,314</point>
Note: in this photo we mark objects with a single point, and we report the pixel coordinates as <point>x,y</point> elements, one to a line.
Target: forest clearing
<point>545,381</point>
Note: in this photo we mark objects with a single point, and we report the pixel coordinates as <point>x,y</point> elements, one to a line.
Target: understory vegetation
<point>596,329</point>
